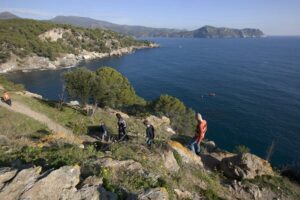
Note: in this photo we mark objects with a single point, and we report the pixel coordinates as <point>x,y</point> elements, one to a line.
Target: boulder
<point>130,165</point>
<point>24,180</point>
<point>6,174</point>
<point>114,112</point>
<point>163,122</point>
<point>245,166</point>
<point>170,162</point>
<point>252,191</point>
<point>209,146</point>
<point>183,194</point>
<point>58,184</point>
<point>90,193</point>
<point>187,156</point>
<point>106,195</point>
<point>156,121</point>
<point>92,180</point>
<point>213,160</point>
<point>154,194</point>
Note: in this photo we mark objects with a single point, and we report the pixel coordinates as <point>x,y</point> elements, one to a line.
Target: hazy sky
<point>274,17</point>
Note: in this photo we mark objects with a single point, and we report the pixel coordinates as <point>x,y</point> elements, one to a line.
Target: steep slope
<point>123,170</point>
<point>7,15</point>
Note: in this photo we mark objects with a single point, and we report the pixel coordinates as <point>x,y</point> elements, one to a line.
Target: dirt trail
<point>58,130</point>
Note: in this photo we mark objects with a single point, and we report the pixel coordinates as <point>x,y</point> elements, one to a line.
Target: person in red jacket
<point>5,98</point>
<point>200,133</point>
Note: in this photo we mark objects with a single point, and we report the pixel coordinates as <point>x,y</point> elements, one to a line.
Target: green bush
<point>241,149</point>
<point>106,87</point>
<point>79,84</point>
<point>50,157</point>
<point>78,127</point>
<point>182,118</point>
<point>113,89</point>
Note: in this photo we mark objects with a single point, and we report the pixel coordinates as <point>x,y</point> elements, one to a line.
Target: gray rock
<point>183,194</point>
<point>213,160</point>
<point>209,146</point>
<point>244,166</point>
<point>6,174</point>
<point>58,184</point>
<point>106,195</point>
<point>23,181</point>
<point>170,162</point>
<point>187,156</point>
<point>130,165</point>
<point>154,194</point>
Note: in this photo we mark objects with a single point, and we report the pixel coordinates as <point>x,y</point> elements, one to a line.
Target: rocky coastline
<point>35,62</point>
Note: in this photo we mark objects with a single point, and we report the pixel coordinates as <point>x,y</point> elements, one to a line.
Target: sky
<point>273,17</point>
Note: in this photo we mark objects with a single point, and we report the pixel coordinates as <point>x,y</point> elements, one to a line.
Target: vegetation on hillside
<point>21,37</point>
<point>107,87</point>
<point>25,141</point>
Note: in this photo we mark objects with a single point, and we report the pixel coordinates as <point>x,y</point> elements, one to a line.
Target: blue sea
<point>256,82</point>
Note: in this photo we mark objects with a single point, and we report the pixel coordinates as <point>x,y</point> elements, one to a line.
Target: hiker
<point>103,131</point>
<point>5,98</point>
<point>122,128</point>
<point>149,133</point>
<point>200,133</point>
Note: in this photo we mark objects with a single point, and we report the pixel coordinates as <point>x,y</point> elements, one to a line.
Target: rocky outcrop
<point>60,184</point>
<point>245,166</point>
<point>163,122</point>
<point>54,34</point>
<point>24,180</point>
<point>187,156</point>
<point>170,162</point>
<point>57,183</point>
<point>154,194</point>
<point>6,174</point>
<point>251,191</point>
<point>130,165</point>
<point>34,62</point>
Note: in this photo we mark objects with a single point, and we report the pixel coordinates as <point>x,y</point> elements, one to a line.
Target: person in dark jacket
<point>150,133</point>
<point>103,131</point>
<point>122,128</point>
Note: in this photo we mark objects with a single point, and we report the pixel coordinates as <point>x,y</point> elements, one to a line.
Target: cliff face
<point>35,62</point>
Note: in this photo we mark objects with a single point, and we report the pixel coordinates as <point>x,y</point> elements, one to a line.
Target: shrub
<point>78,127</point>
<point>241,149</point>
<point>79,83</point>
<point>50,157</point>
<point>113,89</point>
<point>182,118</point>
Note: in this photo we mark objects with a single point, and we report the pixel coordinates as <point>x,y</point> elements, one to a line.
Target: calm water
<point>256,81</point>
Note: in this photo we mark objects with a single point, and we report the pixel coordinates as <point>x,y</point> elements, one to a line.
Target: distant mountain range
<point>137,31</point>
<point>213,32</point>
<point>142,31</point>
<point>7,15</point>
